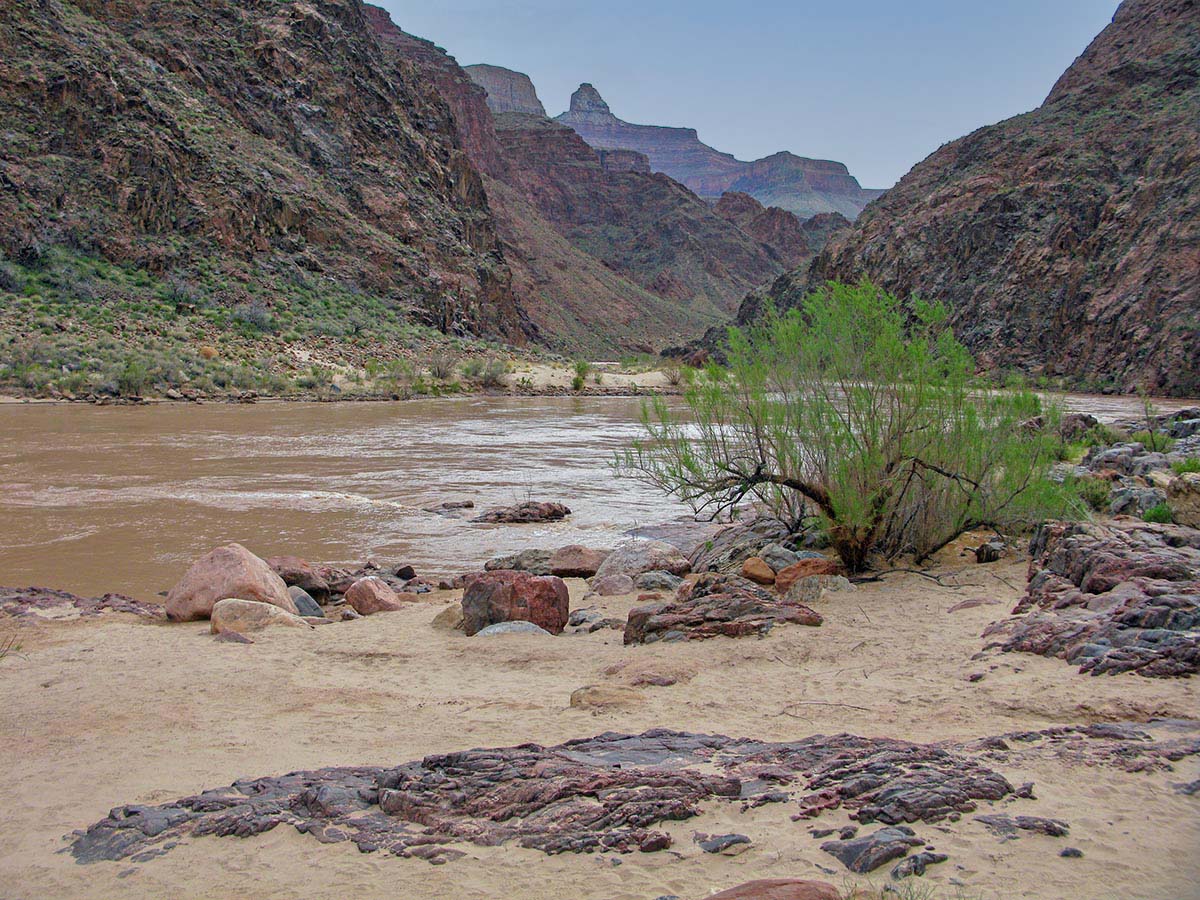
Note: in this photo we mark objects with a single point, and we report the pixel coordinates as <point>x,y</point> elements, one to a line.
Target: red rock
<point>576,561</point>
<point>507,596</point>
<point>297,572</point>
<point>229,571</point>
<point>756,569</point>
<point>373,595</point>
<point>785,578</point>
<point>780,889</point>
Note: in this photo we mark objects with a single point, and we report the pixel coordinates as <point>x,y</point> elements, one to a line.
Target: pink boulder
<point>229,571</point>
<point>297,572</point>
<point>613,585</point>
<point>506,596</point>
<point>576,561</point>
<point>374,595</point>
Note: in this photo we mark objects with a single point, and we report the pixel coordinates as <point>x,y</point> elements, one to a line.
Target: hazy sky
<point>877,84</point>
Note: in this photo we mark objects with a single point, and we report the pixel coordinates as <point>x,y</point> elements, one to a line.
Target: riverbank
<point>116,718</point>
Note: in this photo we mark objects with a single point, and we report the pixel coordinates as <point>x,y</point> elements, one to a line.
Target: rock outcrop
<point>47,603</point>
<point>507,91</point>
<point>605,793</point>
<point>803,186</point>
<point>792,241</point>
<point>715,605</point>
<point>1064,241</point>
<point>1119,597</point>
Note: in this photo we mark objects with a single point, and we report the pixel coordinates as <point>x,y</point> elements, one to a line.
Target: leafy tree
<point>860,414</point>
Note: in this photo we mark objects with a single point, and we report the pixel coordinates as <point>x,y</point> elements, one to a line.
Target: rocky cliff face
<point>1067,240</point>
<point>780,232</point>
<point>806,187</point>
<point>507,91</point>
<point>247,148</point>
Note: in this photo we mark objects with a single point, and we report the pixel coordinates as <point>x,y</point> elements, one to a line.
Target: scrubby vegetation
<point>848,412</point>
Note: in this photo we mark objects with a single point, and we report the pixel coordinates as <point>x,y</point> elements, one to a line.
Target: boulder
<point>989,552</point>
<point>524,513</point>
<point>297,572</point>
<point>374,595</point>
<point>507,596</point>
<point>231,571</point>
<point>805,567</point>
<point>637,556</point>
<point>613,585</point>
<point>1183,496</point>
<point>305,605</point>
<point>734,543</point>
<point>779,889</point>
<point>757,570</point>
<point>243,616</point>
<point>869,852</point>
<point>778,557</point>
<point>576,561</point>
<point>811,588</point>
<point>657,581</point>
<point>515,627</point>
<point>450,618</point>
<point>536,562</point>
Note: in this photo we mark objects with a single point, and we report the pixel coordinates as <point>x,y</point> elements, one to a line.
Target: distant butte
<point>804,186</point>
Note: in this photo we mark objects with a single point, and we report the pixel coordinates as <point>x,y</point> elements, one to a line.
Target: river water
<point>96,499</point>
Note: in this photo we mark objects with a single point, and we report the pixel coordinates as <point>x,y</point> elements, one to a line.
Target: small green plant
<point>1153,441</point>
<point>577,383</point>
<point>133,378</point>
<point>1092,491</point>
<point>472,369</point>
<point>582,368</point>
<point>442,366</point>
<point>1161,514</point>
<point>1184,466</point>
<point>672,370</point>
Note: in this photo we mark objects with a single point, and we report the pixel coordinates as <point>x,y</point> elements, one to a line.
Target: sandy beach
<point>112,711</point>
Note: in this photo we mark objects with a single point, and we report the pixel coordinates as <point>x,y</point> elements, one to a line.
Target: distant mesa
<point>507,91</point>
<point>804,186</point>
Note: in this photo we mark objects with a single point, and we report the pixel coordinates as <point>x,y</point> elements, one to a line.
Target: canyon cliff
<point>803,186</point>
<point>249,151</point>
<point>1065,241</point>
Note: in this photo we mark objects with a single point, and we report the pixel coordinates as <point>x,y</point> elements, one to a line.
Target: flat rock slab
<point>712,606</point>
<point>47,603</point>
<point>1006,826</point>
<point>603,793</point>
<point>1119,597</point>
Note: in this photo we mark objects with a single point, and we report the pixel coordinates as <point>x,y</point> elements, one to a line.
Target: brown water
<point>122,498</point>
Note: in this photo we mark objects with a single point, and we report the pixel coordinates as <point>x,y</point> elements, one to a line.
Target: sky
<point>876,84</point>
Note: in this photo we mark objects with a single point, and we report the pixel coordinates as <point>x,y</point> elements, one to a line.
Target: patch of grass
<point>1153,441</point>
<point>1160,514</point>
<point>1184,466</point>
<point>1092,491</point>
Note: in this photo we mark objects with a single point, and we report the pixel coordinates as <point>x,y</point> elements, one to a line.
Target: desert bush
<point>442,366</point>
<point>133,378</point>
<point>1092,491</point>
<point>1184,466</point>
<point>254,314</point>
<point>867,412</point>
<point>672,370</point>
<point>493,372</point>
<point>472,368</point>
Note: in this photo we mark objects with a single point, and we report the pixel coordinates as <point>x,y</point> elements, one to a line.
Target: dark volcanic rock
<point>864,854</point>
<point>715,605</point>
<point>524,513</point>
<point>916,864</point>
<point>1118,597</point>
<point>602,793</point>
<point>49,603</point>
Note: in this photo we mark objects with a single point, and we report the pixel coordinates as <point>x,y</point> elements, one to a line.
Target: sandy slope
<point>97,714</point>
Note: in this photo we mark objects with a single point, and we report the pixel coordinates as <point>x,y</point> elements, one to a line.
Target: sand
<point>101,713</point>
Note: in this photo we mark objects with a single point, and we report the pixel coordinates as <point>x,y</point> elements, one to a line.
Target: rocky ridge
<point>803,186</point>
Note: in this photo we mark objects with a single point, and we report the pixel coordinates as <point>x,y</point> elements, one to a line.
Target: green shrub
<point>1153,441</point>
<point>133,378</point>
<point>1183,466</point>
<point>1161,513</point>
<point>1092,491</point>
<point>864,411</point>
<point>493,373</point>
<point>577,383</point>
<point>442,366</point>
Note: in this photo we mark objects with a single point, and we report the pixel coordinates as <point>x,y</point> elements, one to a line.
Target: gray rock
<point>534,561</point>
<point>635,557</point>
<point>657,581</point>
<point>305,604</point>
<point>778,557</point>
<point>728,844</point>
<point>612,585</point>
<point>989,552</point>
<point>916,864</point>
<point>871,851</point>
<point>516,626</point>
<point>1134,501</point>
